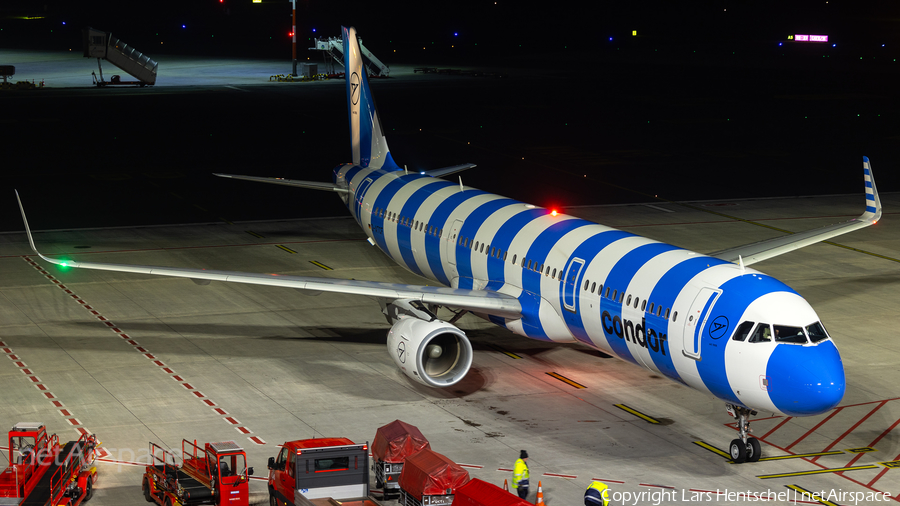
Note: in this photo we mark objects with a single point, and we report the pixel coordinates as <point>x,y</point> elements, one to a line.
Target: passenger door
<point>696,319</point>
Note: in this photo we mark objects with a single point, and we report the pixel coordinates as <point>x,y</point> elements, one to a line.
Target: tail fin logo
<point>354,88</point>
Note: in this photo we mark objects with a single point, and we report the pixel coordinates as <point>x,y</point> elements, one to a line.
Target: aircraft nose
<point>806,380</point>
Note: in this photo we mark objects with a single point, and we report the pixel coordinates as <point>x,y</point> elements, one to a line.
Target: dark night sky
<point>242,28</point>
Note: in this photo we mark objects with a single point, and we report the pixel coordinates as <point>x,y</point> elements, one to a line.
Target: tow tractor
<point>41,471</point>
<point>216,474</point>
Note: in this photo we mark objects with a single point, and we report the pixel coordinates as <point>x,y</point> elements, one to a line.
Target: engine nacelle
<point>434,353</point>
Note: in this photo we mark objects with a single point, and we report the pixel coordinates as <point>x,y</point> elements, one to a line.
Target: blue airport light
<point>779,43</point>
<point>456,34</point>
<point>610,38</point>
<point>314,30</point>
<point>183,26</point>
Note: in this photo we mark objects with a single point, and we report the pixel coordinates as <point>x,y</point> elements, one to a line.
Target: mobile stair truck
<point>41,471</point>
<point>393,444</point>
<point>215,474</point>
<point>429,478</point>
<point>103,46</point>
<point>320,471</point>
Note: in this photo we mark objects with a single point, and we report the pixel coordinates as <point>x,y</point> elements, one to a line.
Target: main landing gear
<point>745,448</point>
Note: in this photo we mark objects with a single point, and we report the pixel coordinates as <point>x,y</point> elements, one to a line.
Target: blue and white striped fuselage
<point>668,309</point>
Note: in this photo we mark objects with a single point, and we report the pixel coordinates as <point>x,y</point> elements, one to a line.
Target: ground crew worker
<point>520,475</point>
<point>597,494</point>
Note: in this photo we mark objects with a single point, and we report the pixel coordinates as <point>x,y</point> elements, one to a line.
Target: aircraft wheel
<point>754,452</point>
<point>738,451</point>
<point>146,488</point>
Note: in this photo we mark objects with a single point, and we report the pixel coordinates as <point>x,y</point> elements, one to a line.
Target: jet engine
<point>434,353</point>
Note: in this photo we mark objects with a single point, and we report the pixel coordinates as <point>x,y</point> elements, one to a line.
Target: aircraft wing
<point>479,301</point>
<point>314,185</point>
<point>759,251</point>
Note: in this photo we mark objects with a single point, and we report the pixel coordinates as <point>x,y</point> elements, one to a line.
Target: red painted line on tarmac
<point>554,475</point>
<point>260,441</point>
<point>40,386</point>
<point>49,395</point>
<point>170,371</point>
<point>82,431</point>
<point>132,342</point>
<point>470,466</point>
<point>73,421</point>
<point>177,378</point>
<point>504,469</point>
<point>874,442</point>
<point>20,364</point>
<point>13,357</point>
<point>27,371</point>
<point>209,402</point>
<point>879,475</point>
<point>148,355</point>
<point>198,393</point>
<point>34,379</point>
<point>786,420</point>
<point>141,349</point>
<point>57,404</point>
<point>7,350</point>
<point>159,363</point>
<point>607,480</point>
<point>855,425</point>
<point>232,421</point>
<point>187,385</point>
<point>244,430</point>
<point>810,431</point>
<point>220,411</point>
<point>65,412</point>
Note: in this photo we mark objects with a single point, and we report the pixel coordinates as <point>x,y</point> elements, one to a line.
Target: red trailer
<point>41,471</point>
<point>481,493</point>
<point>393,444</point>
<point>429,479</point>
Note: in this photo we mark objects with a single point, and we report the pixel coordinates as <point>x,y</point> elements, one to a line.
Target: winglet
<point>873,203</point>
<point>64,263</point>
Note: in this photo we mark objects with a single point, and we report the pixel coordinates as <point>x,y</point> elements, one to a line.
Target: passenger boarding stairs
<point>103,46</point>
<point>334,48</point>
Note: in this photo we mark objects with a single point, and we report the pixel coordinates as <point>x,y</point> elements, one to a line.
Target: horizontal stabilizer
<point>763,250</point>
<point>446,171</point>
<point>314,185</point>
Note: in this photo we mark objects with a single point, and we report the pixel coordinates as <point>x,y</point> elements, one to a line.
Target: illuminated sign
<point>634,32</point>
<point>809,38</point>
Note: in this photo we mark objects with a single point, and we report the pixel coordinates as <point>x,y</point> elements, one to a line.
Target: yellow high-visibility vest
<point>520,472</point>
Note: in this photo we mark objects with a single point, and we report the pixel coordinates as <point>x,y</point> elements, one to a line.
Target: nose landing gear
<point>745,448</point>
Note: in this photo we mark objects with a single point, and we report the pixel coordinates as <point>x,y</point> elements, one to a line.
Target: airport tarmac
<point>136,359</point>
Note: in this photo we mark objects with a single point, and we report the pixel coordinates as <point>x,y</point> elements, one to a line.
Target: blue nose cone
<point>806,380</point>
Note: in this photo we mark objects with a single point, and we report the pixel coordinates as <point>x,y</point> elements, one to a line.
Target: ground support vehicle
<point>481,493</point>
<point>310,469</point>
<point>215,474</point>
<point>392,445</point>
<point>429,478</point>
<point>41,471</point>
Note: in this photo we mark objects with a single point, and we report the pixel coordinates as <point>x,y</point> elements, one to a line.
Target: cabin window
<point>643,305</point>
<point>742,331</point>
<point>514,259</point>
<point>674,315</point>
<point>599,289</point>
<point>652,305</point>
<point>816,332</point>
<point>628,302</point>
<point>615,292</point>
<point>441,233</point>
<point>430,229</point>
<point>476,245</point>
<point>586,283</point>
<point>762,334</point>
<point>659,311</point>
<point>636,302</point>
<point>785,334</point>
<point>667,312</point>
<point>621,297</point>
<point>554,274</point>
<point>607,291</point>
<point>593,287</point>
<point>482,248</point>
<point>462,242</point>
<point>504,256</point>
<point>529,264</point>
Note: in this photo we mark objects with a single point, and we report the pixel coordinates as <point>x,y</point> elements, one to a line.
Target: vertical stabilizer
<point>369,146</point>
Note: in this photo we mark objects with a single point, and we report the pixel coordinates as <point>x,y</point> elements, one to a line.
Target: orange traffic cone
<point>540,496</point>
<point>506,485</point>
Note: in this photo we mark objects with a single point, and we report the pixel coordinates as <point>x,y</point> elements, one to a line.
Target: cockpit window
<point>785,334</point>
<point>742,331</point>
<point>816,332</point>
<point>762,334</point>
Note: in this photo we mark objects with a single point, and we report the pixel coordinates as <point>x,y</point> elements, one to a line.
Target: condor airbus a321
<point>706,321</point>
